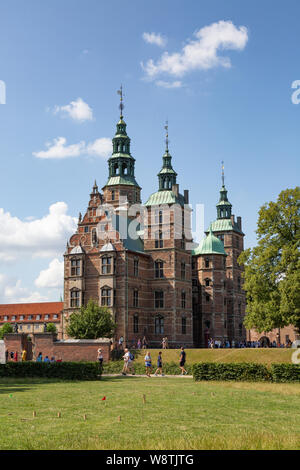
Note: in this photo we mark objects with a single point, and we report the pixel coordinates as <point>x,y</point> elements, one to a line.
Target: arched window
<point>159,325</point>
<point>207,262</point>
<point>106,296</point>
<point>75,298</point>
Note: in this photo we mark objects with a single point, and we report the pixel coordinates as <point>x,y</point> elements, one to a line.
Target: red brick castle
<point>139,260</point>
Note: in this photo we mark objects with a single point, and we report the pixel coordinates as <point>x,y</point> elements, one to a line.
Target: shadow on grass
<point>11,389</point>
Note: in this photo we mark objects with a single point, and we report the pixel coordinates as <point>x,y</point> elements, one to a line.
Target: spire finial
<point>223,173</point>
<point>167,135</point>
<point>121,106</point>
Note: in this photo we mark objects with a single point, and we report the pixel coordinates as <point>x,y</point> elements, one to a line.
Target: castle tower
<point>167,220</point>
<point>121,188</point>
<point>209,274</point>
<point>229,231</point>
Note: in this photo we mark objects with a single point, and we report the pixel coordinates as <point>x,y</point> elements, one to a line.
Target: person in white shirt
<point>128,362</point>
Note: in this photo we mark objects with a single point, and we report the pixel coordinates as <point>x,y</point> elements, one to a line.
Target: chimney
<point>175,189</point>
<point>186,196</point>
<point>232,219</point>
<point>239,222</point>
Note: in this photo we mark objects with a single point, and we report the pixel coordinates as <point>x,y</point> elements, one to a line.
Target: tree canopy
<point>272,268</point>
<point>6,328</point>
<point>91,322</point>
<point>51,328</point>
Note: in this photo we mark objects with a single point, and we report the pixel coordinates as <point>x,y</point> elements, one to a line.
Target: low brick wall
<point>68,350</point>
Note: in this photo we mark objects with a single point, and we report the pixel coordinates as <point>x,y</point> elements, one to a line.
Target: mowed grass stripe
<point>177,415</point>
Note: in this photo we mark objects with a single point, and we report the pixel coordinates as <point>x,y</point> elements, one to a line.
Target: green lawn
<point>259,355</point>
<point>178,414</point>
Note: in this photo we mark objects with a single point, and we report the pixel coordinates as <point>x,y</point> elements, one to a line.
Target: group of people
<point>14,355</point>
<point>129,363</point>
<point>141,343</point>
<point>46,358</point>
<point>247,344</point>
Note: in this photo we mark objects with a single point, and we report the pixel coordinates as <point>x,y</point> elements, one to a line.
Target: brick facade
<point>48,345</point>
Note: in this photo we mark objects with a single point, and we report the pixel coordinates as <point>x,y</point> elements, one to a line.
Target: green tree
<point>51,328</point>
<point>6,328</point>
<point>272,268</point>
<point>91,322</point>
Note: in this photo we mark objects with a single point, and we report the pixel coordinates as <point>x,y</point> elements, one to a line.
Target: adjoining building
<point>31,318</point>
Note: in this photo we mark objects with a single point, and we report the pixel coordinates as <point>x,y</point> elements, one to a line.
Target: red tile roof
<point>41,308</point>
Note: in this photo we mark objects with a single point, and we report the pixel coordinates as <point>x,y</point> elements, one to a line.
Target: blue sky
<point>238,110</point>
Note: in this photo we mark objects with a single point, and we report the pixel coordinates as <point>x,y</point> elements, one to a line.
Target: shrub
<point>243,371</point>
<point>58,370</point>
<point>285,372</point>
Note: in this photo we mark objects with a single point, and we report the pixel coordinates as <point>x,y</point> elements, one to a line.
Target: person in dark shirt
<point>182,361</point>
<point>159,364</point>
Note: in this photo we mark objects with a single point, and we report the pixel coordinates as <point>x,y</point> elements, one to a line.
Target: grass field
<point>178,414</point>
<point>259,355</point>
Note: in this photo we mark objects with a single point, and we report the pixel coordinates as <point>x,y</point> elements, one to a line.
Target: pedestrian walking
<point>100,357</point>
<point>24,354</point>
<point>128,362</point>
<point>39,358</point>
<point>148,364</point>
<point>182,361</point>
<point>159,365</point>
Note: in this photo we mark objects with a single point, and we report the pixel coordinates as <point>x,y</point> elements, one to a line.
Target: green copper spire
<point>210,245</point>
<point>223,207</point>
<point>121,163</point>
<point>167,176</point>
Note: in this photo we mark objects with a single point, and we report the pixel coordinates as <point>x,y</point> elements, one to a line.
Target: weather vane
<point>222,172</point>
<point>120,92</point>
<point>167,135</point>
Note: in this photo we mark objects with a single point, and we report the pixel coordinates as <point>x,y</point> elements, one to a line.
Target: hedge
<point>58,370</point>
<point>244,371</point>
<point>285,372</point>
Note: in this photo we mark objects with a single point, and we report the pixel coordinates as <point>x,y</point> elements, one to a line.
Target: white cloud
<point>100,147</point>
<point>58,149</point>
<point>77,110</point>
<point>155,38</point>
<point>202,52</point>
<point>12,291</point>
<point>44,237</point>
<point>164,84</point>
<point>53,276</point>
